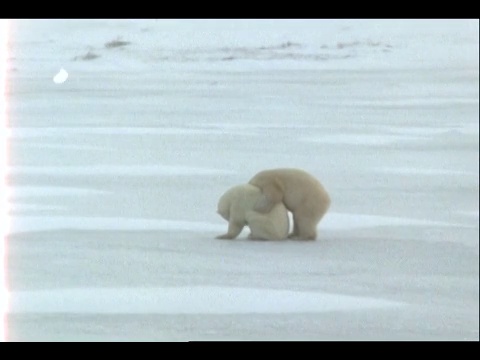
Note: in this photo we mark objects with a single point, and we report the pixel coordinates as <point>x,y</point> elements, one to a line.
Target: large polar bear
<point>300,192</point>
<point>236,206</point>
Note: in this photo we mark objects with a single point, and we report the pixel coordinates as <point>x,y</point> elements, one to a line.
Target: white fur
<point>300,192</point>
<point>237,207</point>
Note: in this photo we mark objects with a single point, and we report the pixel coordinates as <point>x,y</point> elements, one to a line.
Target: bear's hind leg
<point>304,226</point>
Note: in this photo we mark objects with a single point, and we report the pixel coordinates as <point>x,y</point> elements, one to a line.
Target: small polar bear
<point>300,192</point>
<point>236,206</point>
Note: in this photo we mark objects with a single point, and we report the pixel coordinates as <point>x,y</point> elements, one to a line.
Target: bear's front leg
<point>234,229</point>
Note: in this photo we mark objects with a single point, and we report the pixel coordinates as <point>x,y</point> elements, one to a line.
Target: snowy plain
<point>114,176</point>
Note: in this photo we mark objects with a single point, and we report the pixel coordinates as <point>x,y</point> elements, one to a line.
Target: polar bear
<point>236,206</point>
<point>300,192</point>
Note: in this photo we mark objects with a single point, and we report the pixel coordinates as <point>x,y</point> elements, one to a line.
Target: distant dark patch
<point>342,45</point>
<point>321,57</point>
<point>228,58</point>
<point>116,44</point>
<point>88,56</point>
<point>369,43</point>
<point>285,45</point>
<point>289,44</point>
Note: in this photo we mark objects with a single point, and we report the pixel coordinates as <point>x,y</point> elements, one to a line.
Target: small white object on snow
<point>61,76</point>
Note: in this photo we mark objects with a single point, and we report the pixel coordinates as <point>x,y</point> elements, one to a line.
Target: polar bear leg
<point>236,221</point>
<point>261,226</point>
<point>234,229</point>
<point>305,225</point>
<point>271,226</point>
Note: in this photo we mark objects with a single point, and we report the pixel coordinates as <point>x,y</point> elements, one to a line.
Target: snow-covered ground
<point>114,176</point>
